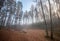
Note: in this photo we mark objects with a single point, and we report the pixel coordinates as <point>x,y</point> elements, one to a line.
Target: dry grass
<point>24,35</point>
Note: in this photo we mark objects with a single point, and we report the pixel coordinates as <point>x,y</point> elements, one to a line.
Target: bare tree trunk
<point>5,19</point>
<point>44,18</point>
<point>32,14</point>
<point>23,19</point>
<point>58,18</point>
<point>50,19</point>
<point>36,15</point>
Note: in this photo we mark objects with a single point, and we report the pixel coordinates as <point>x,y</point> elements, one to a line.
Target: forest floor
<point>23,35</point>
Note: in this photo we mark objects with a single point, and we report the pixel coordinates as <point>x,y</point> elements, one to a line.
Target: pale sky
<point>27,4</point>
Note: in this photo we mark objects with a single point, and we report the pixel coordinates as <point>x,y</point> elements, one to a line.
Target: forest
<point>41,22</point>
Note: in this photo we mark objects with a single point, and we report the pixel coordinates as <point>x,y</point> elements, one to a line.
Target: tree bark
<point>44,18</point>
<point>50,19</point>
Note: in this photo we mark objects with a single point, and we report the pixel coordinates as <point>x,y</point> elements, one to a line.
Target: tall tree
<point>44,17</point>
<point>36,14</point>
<point>32,12</point>
<point>26,17</point>
<point>41,5</point>
<point>50,19</point>
<point>19,12</point>
<point>3,13</point>
<point>10,9</point>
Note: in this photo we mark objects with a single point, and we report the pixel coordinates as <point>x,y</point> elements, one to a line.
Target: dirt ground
<point>24,35</point>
